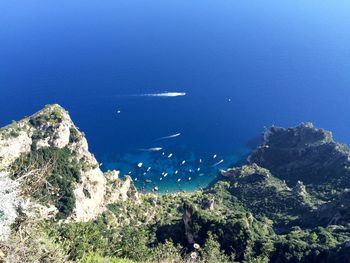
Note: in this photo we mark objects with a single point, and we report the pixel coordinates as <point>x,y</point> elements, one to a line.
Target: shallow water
<point>243,66</point>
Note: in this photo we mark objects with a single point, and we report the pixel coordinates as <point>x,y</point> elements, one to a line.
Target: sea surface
<point>240,66</point>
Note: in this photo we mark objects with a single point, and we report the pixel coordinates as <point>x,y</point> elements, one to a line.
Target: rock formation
<point>53,128</point>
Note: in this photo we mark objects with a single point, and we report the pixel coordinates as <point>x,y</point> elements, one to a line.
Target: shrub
<point>49,177</point>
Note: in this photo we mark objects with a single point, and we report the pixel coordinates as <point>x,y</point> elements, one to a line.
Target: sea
<point>170,92</point>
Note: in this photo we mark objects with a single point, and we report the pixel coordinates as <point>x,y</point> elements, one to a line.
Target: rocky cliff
<point>45,160</point>
<point>306,154</point>
<point>288,203</point>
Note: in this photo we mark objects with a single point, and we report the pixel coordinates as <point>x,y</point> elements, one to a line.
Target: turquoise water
<point>242,64</point>
<point>171,171</point>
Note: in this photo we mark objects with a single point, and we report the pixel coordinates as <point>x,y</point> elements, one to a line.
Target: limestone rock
<point>53,127</point>
<point>10,203</point>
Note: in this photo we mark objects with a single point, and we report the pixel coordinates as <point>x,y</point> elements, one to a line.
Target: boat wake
<point>168,137</point>
<point>163,94</point>
<point>154,149</point>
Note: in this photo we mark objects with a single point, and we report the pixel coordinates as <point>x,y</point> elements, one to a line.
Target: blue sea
<point>244,65</point>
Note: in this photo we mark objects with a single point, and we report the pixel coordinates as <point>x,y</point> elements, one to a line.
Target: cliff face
<point>306,154</point>
<point>46,137</point>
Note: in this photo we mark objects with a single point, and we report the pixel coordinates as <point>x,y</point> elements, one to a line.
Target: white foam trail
<point>163,94</point>
<point>169,137</point>
<point>219,162</point>
<point>154,149</point>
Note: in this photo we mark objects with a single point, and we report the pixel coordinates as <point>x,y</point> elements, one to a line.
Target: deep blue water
<point>279,62</point>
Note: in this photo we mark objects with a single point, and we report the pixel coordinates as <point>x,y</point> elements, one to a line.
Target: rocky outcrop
<point>264,194</point>
<point>186,218</point>
<point>300,189</point>
<point>303,153</point>
<point>53,127</point>
<point>12,147</point>
<point>9,205</point>
<point>119,189</point>
<point>335,212</point>
<point>246,171</point>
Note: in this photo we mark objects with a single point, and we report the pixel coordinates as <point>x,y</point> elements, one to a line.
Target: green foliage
<point>212,252</point>
<point>11,131</point>
<point>264,195</point>
<point>96,258</point>
<point>74,135</point>
<point>318,245</point>
<point>167,252</point>
<point>135,242</point>
<point>82,238</point>
<point>29,242</point>
<point>306,154</point>
<point>52,182</point>
<point>51,114</point>
<point>252,215</point>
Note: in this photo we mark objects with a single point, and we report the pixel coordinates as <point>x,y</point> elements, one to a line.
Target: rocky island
<point>289,202</point>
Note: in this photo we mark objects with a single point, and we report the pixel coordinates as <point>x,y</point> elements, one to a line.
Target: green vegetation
<point>96,258</point>
<point>289,203</point>
<point>306,154</point>
<point>49,176</point>
<point>74,136</point>
<point>51,114</point>
<point>11,131</point>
